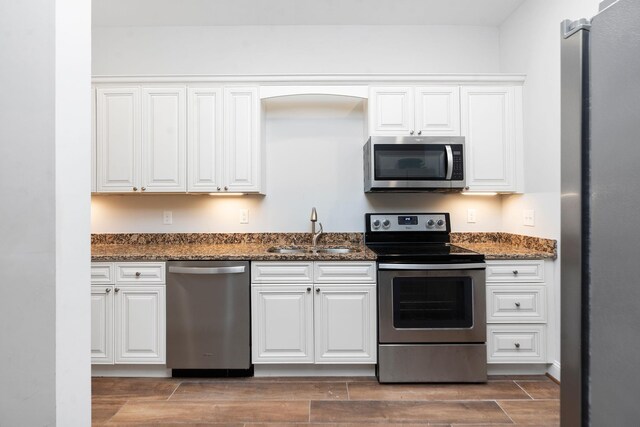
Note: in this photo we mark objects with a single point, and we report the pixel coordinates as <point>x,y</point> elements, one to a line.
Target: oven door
<point>431,303</point>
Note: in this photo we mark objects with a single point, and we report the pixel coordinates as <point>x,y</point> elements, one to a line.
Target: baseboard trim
<point>149,371</point>
<point>517,369</point>
<point>314,370</point>
<point>554,371</point>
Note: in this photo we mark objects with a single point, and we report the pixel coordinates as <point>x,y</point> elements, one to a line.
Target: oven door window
<point>407,162</point>
<point>432,302</point>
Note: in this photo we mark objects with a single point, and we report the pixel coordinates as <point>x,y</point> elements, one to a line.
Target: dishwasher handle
<point>207,270</point>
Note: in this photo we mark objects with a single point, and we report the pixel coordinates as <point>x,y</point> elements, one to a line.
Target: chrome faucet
<point>314,235</point>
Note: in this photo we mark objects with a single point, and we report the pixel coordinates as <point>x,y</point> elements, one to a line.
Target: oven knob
<point>430,223</point>
<point>440,223</point>
<point>386,223</point>
<point>375,224</point>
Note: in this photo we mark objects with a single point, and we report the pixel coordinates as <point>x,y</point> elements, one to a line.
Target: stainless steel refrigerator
<point>600,239</point>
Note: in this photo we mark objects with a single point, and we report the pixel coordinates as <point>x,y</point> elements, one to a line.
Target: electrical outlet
<point>244,216</point>
<point>472,215</point>
<point>528,217</point>
<point>167,217</point>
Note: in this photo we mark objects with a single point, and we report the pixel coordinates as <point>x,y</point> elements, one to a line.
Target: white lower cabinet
<point>314,322</point>
<point>519,325</point>
<point>128,320</point>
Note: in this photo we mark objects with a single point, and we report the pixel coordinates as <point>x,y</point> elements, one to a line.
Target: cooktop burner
<point>414,238</point>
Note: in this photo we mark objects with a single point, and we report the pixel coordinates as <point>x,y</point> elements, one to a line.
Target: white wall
<point>314,158</point>
<point>294,49</point>
<point>530,44</point>
<point>44,216</point>
<point>314,149</point>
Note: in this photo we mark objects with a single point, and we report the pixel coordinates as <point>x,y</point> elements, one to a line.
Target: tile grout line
<point>505,412</point>
<point>525,391</point>
<point>174,390</point>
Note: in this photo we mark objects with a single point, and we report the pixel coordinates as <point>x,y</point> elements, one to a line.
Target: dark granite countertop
<point>254,246</point>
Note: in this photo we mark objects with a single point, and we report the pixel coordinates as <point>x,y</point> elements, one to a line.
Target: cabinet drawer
<point>282,272</point>
<point>344,272</point>
<point>526,304</point>
<point>515,271</point>
<point>516,343</point>
<point>140,272</point>
<point>101,273</point>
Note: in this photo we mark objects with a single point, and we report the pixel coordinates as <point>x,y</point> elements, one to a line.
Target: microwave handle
<point>449,162</point>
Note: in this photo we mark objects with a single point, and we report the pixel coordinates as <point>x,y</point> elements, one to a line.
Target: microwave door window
<point>406,163</point>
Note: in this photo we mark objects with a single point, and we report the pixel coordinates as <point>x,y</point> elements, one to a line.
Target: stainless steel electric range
<point>431,301</point>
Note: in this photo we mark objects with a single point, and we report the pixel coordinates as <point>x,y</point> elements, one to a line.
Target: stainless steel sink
<point>287,250</point>
<point>334,250</point>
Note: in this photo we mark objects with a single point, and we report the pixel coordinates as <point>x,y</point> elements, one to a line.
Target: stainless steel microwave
<point>414,164</point>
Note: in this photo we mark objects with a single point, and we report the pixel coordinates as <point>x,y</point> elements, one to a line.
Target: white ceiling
<point>301,12</point>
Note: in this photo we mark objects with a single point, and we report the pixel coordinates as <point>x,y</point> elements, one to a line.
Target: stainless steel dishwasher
<point>208,317</point>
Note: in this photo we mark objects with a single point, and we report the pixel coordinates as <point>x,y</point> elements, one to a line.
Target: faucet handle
<point>320,232</point>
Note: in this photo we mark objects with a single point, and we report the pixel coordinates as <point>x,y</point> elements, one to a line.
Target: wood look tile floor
<point>326,402</point>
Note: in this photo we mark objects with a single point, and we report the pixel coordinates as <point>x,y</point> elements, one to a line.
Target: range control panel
<point>408,222</point>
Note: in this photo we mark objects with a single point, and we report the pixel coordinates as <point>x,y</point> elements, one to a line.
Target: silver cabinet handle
<point>135,188</point>
<point>411,132</point>
<point>317,290</point>
<point>207,270</point>
<point>419,132</point>
<point>107,290</point>
<point>117,290</point>
<point>308,290</point>
<point>518,304</point>
<point>226,188</point>
<point>143,188</point>
<point>515,272</point>
<point>219,189</point>
<point>138,274</point>
<point>469,266</point>
<point>517,344</point>
<point>449,152</point>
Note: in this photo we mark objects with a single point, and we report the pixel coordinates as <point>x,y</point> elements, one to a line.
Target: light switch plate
<point>528,217</point>
<point>472,215</point>
<point>244,216</point>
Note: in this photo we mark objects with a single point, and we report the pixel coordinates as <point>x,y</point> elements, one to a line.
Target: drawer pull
<point>515,272</point>
<point>517,344</point>
<point>107,290</point>
<point>308,290</point>
<point>518,304</point>
<point>317,290</point>
<point>137,274</point>
<point>117,290</point>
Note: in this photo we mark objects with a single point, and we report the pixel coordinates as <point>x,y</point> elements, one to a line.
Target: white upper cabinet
<point>242,151</point>
<point>424,110</point>
<point>164,139</point>
<point>205,140</point>
<point>391,110</point>
<point>118,139</point>
<point>491,126</point>
<point>437,110</point>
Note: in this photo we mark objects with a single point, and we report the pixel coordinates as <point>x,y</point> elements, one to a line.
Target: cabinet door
<point>140,324</point>
<point>118,139</point>
<point>102,325</point>
<point>242,151</point>
<point>438,111</point>
<point>282,324</point>
<point>164,139</point>
<point>345,323</point>
<point>488,123</point>
<point>204,148</point>
<point>391,111</point>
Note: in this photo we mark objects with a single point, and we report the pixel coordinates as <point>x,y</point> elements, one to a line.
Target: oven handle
<point>468,266</point>
<point>449,162</point>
